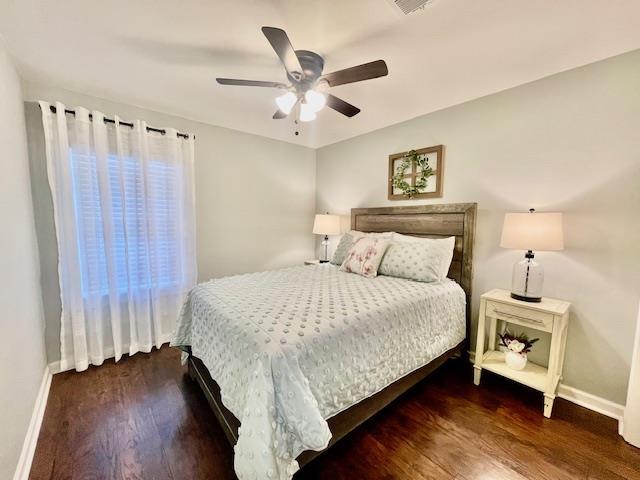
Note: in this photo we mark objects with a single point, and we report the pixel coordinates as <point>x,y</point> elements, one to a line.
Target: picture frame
<point>435,155</point>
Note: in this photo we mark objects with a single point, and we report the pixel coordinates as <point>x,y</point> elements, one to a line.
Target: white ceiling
<point>164,55</point>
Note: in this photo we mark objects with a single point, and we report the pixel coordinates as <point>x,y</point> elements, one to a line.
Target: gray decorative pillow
<point>345,244</point>
<point>421,261</point>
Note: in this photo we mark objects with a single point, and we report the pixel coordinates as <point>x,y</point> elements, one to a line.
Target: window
<point>134,208</point>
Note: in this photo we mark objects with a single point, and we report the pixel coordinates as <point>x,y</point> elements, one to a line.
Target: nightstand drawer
<point>519,315</point>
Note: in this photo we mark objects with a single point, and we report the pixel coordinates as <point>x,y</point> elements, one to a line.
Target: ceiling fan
<point>308,87</point>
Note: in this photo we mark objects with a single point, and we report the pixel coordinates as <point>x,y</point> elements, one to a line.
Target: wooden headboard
<point>433,221</point>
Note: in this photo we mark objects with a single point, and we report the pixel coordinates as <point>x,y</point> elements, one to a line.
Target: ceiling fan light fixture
<point>308,84</point>
<point>306,113</point>
<point>286,102</point>
<point>315,100</point>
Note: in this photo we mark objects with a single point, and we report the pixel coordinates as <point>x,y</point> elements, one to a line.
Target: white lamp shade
<point>533,231</point>
<point>286,102</point>
<point>307,113</point>
<point>315,100</point>
<point>326,224</point>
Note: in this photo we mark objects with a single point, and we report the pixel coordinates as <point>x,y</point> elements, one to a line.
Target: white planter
<point>515,361</point>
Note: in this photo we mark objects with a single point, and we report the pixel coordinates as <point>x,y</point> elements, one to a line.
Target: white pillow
<point>440,251</point>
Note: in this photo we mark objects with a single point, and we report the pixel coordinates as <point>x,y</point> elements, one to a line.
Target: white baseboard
<point>33,432</point>
<point>586,400</point>
<point>593,402</point>
<point>59,366</point>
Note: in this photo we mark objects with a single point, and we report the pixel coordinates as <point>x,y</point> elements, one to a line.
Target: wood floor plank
<point>443,440</point>
<point>507,444</point>
<point>144,419</point>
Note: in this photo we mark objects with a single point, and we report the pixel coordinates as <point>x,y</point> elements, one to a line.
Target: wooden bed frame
<point>433,221</point>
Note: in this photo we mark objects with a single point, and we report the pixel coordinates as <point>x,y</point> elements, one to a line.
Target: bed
<point>302,356</point>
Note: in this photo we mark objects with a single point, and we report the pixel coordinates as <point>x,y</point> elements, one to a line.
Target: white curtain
<point>124,214</point>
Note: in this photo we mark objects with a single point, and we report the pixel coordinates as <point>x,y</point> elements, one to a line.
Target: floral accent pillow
<point>365,256</point>
<point>347,241</point>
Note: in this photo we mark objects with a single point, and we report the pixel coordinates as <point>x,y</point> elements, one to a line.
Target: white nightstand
<point>314,261</point>
<point>550,316</point>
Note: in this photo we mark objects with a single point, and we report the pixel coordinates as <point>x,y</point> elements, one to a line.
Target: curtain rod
<point>126,124</point>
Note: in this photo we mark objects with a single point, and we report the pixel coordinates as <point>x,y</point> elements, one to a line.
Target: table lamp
<point>326,225</point>
<point>531,231</point>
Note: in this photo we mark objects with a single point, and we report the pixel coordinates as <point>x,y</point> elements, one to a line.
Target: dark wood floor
<point>145,419</point>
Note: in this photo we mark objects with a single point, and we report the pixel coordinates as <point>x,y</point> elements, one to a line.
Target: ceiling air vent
<point>405,7</point>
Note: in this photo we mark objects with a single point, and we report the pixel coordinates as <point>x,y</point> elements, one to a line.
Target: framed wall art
<point>416,174</point>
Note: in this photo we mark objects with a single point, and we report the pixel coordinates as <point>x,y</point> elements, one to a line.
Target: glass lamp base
<point>527,279</point>
<point>325,244</point>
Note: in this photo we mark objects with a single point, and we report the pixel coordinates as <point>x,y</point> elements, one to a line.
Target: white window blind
<point>136,208</point>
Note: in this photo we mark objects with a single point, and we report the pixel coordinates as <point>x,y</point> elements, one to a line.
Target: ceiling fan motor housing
<point>312,65</point>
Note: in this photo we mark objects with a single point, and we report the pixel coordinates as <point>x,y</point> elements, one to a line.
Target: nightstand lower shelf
<point>534,376</point>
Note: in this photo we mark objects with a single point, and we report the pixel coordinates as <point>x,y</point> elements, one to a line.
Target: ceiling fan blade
<point>282,45</point>
<point>279,115</point>
<point>341,106</point>
<point>366,71</point>
<point>249,83</point>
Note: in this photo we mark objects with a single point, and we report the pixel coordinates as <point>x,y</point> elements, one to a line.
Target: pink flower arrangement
<point>517,343</point>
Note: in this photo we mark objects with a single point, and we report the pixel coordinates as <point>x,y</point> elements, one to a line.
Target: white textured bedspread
<point>290,348</point>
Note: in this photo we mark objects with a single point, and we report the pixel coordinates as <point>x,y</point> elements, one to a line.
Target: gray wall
<point>22,356</point>
<point>568,143</point>
<point>255,197</point>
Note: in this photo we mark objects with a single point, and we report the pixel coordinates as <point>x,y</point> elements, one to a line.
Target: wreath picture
<point>421,163</point>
